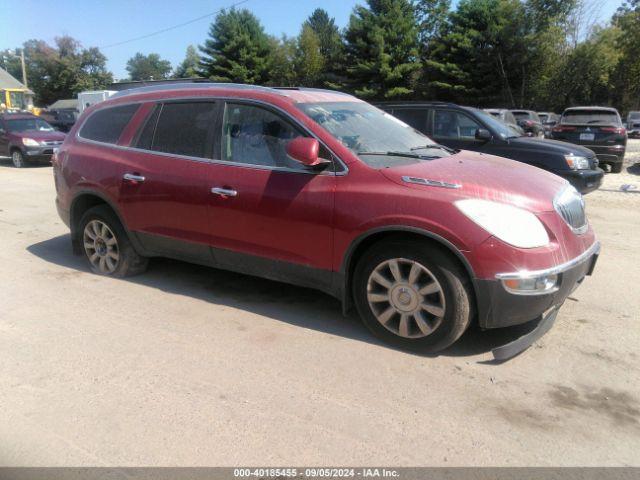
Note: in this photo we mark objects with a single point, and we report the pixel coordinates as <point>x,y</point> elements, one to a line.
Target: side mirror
<point>305,150</point>
<point>483,134</point>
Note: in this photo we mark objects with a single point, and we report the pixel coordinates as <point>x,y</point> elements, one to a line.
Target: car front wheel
<point>106,245</point>
<point>413,296</point>
<point>17,158</point>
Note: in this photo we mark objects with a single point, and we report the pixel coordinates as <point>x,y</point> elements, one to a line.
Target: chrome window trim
<point>524,274</point>
<point>294,120</point>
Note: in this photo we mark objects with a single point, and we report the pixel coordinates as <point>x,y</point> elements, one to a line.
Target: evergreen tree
<point>382,49</point>
<point>309,61</point>
<point>189,68</point>
<point>238,49</point>
<point>282,71</point>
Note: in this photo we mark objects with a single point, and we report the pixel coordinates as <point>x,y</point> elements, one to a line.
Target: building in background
<point>14,96</point>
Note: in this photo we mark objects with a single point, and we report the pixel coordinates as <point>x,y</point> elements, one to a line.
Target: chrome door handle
<point>225,192</point>
<point>133,178</point>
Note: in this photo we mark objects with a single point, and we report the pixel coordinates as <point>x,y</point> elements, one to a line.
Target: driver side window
<point>256,136</point>
<point>454,125</point>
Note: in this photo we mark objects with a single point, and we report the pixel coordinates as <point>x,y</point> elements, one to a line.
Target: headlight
<point>577,163</point>
<point>30,142</point>
<point>510,224</point>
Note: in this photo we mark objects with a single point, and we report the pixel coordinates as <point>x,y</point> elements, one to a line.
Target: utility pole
<point>24,70</point>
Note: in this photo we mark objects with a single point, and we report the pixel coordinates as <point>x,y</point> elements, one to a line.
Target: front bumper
<point>499,307</point>
<point>584,181</point>
<point>38,154</point>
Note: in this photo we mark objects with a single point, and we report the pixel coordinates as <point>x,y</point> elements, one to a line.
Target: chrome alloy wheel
<point>406,298</point>
<point>101,246</point>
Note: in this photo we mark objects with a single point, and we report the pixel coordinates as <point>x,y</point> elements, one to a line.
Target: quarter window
<point>450,124</point>
<point>107,125</point>
<point>256,136</point>
<point>182,129</point>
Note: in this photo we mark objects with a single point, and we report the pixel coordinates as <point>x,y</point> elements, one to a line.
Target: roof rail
<point>186,85</point>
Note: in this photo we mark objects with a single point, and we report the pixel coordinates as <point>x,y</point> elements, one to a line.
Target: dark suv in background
<point>530,122</point>
<point>597,128</point>
<point>467,128</point>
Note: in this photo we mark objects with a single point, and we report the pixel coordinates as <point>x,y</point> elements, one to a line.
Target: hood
<point>41,136</point>
<point>484,176</point>
<point>550,146</point>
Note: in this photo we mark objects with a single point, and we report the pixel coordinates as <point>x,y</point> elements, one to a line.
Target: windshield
<point>501,128</point>
<point>590,117</point>
<point>543,117</point>
<point>634,115</point>
<point>364,129</point>
<point>26,124</point>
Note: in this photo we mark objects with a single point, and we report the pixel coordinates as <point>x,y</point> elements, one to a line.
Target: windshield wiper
<point>397,154</point>
<point>433,146</point>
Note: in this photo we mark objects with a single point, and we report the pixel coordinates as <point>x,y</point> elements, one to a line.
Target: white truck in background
<point>86,99</point>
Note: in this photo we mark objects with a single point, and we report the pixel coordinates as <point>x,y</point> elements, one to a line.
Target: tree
<point>308,60</point>
<point>282,70</point>
<point>60,71</point>
<point>627,75</point>
<point>382,49</point>
<point>237,50</point>
<point>432,17</point>
<point>148,67</point>
<point>189,68</point>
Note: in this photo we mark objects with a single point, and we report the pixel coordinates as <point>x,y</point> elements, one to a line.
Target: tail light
<point>563,128</point>
<point>616,130</point>
<point>528,123</point>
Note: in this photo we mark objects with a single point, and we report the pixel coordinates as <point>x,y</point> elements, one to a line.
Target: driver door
<point>270,214</point>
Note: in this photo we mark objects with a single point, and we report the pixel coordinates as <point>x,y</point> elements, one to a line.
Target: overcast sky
<point>103,23</point>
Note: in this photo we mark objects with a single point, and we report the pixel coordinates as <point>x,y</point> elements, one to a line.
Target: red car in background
<point>320,189</point>
<point>27,139</point>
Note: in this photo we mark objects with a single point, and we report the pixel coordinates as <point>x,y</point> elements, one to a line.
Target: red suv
<point>320,189</point>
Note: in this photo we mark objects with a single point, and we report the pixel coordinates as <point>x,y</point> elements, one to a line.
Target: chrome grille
<point>570,205</point>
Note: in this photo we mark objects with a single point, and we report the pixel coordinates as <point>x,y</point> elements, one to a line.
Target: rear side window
<point>180,129</point>
<point>413,117</point>
<point>107,125</point>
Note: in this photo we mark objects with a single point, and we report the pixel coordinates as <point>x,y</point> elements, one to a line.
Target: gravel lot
<point>186,365</point>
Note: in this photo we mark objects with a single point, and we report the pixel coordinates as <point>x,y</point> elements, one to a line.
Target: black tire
<point>452,278</point>
<point>616,167</point>
<point>129,262</point>
<point>17,158</point>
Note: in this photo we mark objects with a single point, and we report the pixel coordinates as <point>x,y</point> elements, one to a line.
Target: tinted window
<point>450,124</point>
<point>521,115</point>
<point>145,138</point>
<point>413,117</point>
<point>185,129</point>
<point>257,136</point>
<point>107,125</point>
<point>590,117</point>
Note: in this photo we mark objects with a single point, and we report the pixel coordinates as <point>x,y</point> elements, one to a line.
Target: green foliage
<point>282,68</point>
<point>627,74</point>
<point>238,49</point>
<point>308,59</point>
<point>148,67</point>
<point>189,68</point>
<point>61,71</point>
<point>382,49</point>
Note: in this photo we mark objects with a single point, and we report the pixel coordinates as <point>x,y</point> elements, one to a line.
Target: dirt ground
<point>187,365</point>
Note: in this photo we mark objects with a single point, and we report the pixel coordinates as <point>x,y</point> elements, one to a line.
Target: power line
<point>173,27</point>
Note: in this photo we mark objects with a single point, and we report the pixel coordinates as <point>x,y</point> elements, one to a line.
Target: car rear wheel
<point>106,245</point>
<point>17,158</point>
<point>616,167</point>
<point>412,296</point>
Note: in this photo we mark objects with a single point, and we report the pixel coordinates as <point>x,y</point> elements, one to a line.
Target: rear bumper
<point>584,181</point>
<point>498,307</point>
<point>608,153</point>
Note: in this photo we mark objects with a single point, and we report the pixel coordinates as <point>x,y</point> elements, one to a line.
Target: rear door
<point>415,117</point>
<point>456,129</point>
<point>270,215</point>
<point>165,188</point>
